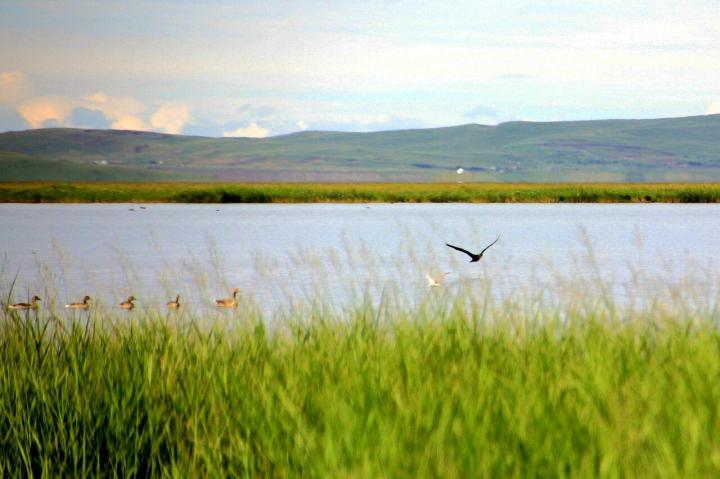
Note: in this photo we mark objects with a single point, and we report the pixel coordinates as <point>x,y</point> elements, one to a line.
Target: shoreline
<point>200,193</point>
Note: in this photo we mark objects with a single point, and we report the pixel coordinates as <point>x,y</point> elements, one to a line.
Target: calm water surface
<point>283,253</point>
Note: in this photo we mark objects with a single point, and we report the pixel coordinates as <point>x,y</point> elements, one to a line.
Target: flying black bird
<point>474,257</point>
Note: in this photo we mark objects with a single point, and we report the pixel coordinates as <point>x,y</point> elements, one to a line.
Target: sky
<point>263,68</point>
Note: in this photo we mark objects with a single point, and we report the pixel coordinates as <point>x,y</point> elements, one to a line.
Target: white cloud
<point>251,131</point>
<point>170,118</point>
<point>125,113</point>
<point>46,108</point>
<point>129,122</point>
<point>15,87</point>
<point>114,107</point>
<point>714,108</point>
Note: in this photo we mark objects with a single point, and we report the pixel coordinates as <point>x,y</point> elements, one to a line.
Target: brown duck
<point>128,303</point>
<point>228,302</point>
<point>174,304</point>
<point>83,305</point>
<point>23,306</point>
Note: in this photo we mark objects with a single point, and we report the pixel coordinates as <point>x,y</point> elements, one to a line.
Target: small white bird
<point>432,282</point>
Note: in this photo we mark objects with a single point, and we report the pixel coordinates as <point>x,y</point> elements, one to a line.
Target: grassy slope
<point>19,167</point>
<point>673,149</point>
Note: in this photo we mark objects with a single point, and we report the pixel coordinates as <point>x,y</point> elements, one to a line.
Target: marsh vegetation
<point>107,192</point>
<point>457,381</point>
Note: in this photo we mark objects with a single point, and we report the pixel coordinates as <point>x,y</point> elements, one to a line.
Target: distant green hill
<point>670,149</point>
<point>22,167</point>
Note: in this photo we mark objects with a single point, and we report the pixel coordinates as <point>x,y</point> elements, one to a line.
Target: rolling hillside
<point>671,149</point>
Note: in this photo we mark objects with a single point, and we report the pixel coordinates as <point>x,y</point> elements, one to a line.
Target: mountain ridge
<point>663,149</point>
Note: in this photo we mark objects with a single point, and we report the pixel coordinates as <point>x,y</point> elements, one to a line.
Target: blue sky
<point>245,68</point>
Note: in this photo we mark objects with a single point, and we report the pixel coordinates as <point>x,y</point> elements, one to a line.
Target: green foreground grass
<point>415,394</point>
<point>47,192</point>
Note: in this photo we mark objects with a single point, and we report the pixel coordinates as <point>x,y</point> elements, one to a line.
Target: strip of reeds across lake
<point>460,384</point>
<point>40,192</point>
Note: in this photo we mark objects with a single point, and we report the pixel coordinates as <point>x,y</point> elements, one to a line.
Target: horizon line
<point>300,132</point>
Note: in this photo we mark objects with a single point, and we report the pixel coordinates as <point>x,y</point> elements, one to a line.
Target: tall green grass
<point>43,192</point>
<point>462,380</point>
<point>454,387</point>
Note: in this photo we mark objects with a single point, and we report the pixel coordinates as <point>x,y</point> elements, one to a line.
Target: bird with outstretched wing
<point>473,257</point>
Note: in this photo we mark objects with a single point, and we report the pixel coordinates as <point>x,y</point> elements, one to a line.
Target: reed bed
<point>474,378</point>
<point>456,385</point>
<point>45,192</point>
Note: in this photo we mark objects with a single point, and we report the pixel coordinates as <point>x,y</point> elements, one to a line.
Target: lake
<point>281,254</point>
